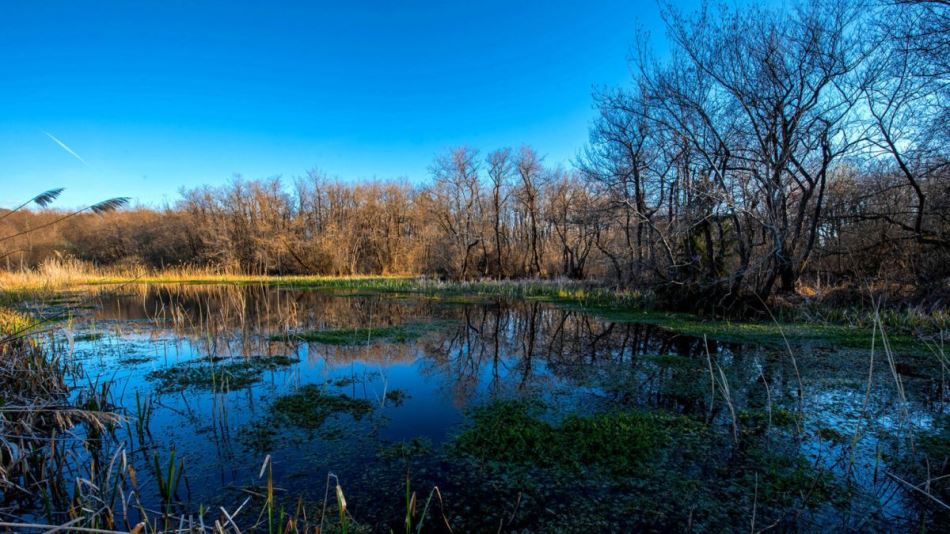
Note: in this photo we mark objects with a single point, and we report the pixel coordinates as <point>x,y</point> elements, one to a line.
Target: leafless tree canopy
<point>769,148</point>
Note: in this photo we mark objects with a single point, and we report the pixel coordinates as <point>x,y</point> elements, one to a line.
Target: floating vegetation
<point>832,435</point>
<point>215,375</point>
<point>619,442</point>
<point>343,382</point>
<point>661,471</point>
<point>397,396</point>
<point>401,333</point>
<point>258,436</point>
<point>311,405</point>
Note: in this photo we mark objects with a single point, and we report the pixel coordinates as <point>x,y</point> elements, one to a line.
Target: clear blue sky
<point>153,96</point>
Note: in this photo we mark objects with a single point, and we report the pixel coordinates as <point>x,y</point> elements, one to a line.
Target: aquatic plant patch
<point>216,374</point>
<point>618,442</point>
<point>311,405</point>
<point>659,471</point>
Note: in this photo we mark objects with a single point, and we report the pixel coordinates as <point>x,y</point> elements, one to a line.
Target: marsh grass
<point>42,415</point>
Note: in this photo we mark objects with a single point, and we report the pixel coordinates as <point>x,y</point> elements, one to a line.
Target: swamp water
<point>526,415</point>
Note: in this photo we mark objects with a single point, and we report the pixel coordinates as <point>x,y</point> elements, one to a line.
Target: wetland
<point>488,413</point>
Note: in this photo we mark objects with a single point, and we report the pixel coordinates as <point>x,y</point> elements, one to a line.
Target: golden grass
<point>12,321</point>
<point>65,273</point>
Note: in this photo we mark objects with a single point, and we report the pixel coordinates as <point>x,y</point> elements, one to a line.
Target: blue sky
<point>154,96</point>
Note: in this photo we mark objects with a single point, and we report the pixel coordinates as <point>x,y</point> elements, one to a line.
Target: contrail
<point>64,147</point>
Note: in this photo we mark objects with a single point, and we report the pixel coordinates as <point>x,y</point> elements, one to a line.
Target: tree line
<point>767,148</point>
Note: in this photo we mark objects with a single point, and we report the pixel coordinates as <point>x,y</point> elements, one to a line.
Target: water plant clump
<point>212,375</point>
<point>619,442</point>
<point>397,396</point>
<point>311,405</point>
<point>405,450</point>
<point>661,470</point>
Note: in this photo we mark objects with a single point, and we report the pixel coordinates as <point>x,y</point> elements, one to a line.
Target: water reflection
<point>572,361</point>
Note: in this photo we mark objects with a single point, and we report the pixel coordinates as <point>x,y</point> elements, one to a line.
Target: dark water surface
<point>407,398</point>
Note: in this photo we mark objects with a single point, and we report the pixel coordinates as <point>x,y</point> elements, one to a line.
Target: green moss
<point>401,333</point>
<point>205,375</point>
<point>927,458</point>
<point>936,442</point>
<point>311,405</point>
<point>782,477</point>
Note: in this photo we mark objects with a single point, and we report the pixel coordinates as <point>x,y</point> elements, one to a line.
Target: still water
<point>221,375</point>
